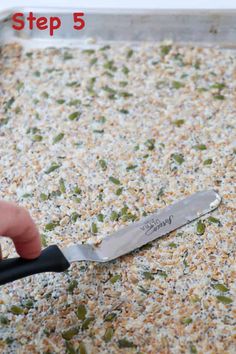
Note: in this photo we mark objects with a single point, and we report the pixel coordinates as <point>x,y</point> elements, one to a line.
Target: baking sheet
<point>207,27</point>
<point>176,295</point>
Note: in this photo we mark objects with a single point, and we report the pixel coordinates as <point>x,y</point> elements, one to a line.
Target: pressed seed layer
<point>91,140</point>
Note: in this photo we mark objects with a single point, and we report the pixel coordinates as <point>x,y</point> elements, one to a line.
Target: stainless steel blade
<point>147,229</point>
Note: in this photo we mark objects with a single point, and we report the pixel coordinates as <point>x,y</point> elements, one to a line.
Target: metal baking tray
<point>206,27</point>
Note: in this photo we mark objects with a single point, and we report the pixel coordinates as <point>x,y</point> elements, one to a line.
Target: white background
<point>145,4</point>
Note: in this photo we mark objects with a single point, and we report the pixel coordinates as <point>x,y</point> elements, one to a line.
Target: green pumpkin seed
<point>224,299</point>
<point>148,276</point>
<point>115,278</point>
<point>103,164</point>
<point>114,216</point>
<point>119,191</point>
<point>110,317</point>
<point>178,122</point>
<point>44,240</point>
<point>165,49</point>
<point>81,312</point>
<point>74,216</point>
<point>125,343</point>
<point>200,147</point>
<point>177,84</point>
<point>178,158</point>
<point>16,310</point>
<point>100,217</point>
<point>43,197</point>
<point>114,180</point>
<point>4,320</point>
<point>72,286</point>
<point>108,334</point>
<point>207,162</point>
<point>82,348</point>
<point>200,227</point>
<point>51,226</point>
<point>87,322</point>
<point>62,185</point>
<point>150,144</point>
<point>193,349</point>
<point>70,333</point>
<point>213,220</point>
<point>74,115</point>
<point>58,138</point>
<point>186,321</point>
<point>94,228</point>
<point>54,166</point>
<point>220,287</point>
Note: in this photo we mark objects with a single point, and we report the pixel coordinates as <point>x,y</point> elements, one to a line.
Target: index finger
<point>16,223</point>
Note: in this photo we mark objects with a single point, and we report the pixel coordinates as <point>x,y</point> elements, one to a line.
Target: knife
<point>123,241</point>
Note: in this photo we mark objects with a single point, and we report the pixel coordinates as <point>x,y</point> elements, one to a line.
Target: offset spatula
<point>125,240</point>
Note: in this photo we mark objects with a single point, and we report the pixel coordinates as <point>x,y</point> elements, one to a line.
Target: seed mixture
<point>93,139</point>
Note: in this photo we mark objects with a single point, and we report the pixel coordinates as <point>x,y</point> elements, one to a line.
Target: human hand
<point>17,224</point>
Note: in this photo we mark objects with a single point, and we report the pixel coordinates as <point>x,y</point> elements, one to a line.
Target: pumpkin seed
<point>200,227</point>
<point>108,334</point>
<point>81,312</point>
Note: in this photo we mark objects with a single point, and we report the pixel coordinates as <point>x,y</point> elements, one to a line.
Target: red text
<point>53,23</point>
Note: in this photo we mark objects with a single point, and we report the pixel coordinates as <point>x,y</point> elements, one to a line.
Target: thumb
<point>17,224</point>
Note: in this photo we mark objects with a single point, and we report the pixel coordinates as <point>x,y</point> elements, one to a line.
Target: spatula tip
<point>216,202</point>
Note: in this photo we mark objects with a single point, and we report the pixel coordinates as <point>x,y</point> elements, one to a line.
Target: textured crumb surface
<point>93,139</point>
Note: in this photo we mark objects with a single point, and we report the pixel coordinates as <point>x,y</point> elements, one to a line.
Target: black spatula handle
<point>51,259</point>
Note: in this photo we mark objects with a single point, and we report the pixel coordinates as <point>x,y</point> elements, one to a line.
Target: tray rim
<point>112,11</point>
<point>211,16</point>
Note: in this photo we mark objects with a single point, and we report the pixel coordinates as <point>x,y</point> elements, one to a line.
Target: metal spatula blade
<point>119,243</point>
<point>147,229</point>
